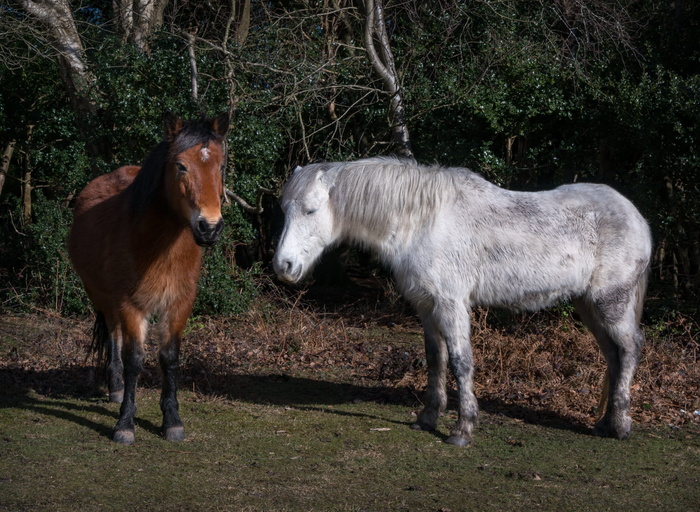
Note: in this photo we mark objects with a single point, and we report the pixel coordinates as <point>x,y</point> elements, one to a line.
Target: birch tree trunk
<point>137,20</point>
<point>379,52</point>
<point>57,17</point>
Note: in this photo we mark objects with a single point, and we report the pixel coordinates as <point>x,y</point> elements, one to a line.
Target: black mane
<point>149,180</point>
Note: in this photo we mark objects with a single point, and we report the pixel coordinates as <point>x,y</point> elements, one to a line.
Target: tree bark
<point>379,52</point>
<point>81,85</point>
<point>6,158</point>
<point>27,184</point>
<point>244,20</point>
<point>137,20</point>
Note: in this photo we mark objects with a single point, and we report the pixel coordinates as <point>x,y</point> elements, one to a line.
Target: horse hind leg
<point>620,339</point>
<point>436,395</point>
<point>107,343</point>
<point>133,355</point>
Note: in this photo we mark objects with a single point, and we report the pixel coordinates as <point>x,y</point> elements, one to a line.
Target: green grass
<point>304,444</point>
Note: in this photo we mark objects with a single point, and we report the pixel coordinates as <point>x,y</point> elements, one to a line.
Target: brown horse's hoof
<point>174,433</point>
<point>124,436</point>
<point>457,441</point>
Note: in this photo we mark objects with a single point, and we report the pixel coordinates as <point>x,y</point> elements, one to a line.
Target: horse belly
<point>535,280</point>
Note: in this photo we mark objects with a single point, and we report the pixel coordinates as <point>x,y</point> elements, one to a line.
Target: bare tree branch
<point>258,208</point>
<point>383,63</point>
<point>193,66</point>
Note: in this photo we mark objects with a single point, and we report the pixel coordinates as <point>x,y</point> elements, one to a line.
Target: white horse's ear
<point>297,168</point>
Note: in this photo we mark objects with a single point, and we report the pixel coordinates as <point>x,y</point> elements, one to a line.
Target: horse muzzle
<point>205,233</point>
<point>286,271</point>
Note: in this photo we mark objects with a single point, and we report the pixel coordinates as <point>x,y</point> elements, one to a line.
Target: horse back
<point>103,188</point>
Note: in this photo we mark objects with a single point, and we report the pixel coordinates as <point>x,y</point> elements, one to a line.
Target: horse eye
<point>181,169</point>
<point>310,212</point>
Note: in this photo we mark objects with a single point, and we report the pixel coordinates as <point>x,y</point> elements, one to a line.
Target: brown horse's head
<point>192,176</point>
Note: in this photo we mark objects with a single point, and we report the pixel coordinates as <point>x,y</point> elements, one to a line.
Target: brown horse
<point>136,244</point>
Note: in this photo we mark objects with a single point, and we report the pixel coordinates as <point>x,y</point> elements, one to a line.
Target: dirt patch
<point>541,367</point>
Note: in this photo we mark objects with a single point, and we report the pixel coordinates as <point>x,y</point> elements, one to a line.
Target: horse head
<point>309,226</point>
<point>193,173</point>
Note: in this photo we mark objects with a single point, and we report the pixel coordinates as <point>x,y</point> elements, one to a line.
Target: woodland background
<point>529,93</point>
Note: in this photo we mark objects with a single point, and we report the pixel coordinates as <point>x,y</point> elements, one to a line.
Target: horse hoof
<point>123,436</point>
<point>116,396</point>
<point>620,429</point>
<point>457,441</point>
<point>609,432</point>
<point>174,433</point>
<point>422,426</point>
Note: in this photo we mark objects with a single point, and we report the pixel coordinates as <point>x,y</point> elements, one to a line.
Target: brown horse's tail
<point>100,343</point>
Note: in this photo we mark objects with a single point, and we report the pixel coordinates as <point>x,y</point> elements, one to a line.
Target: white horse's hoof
<point>457,441</point>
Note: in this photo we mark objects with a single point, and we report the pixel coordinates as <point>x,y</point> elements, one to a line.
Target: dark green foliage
<point>531,97</point>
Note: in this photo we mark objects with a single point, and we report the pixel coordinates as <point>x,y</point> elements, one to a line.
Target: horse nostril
<point>203,226</point>
<point>219,227</point>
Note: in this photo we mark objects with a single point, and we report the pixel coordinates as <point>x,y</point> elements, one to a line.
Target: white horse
<point>453,240</point>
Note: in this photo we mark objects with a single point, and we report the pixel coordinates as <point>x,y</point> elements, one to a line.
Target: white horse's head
<point>309,227</point>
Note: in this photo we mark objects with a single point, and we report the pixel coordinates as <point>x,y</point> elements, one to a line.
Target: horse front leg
<point>452,318</point>
<point>115,368</point>
<point>436,394</point>
<point>173,428</point>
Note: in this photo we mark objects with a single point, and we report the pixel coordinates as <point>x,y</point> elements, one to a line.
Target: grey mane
<point>370,193</point>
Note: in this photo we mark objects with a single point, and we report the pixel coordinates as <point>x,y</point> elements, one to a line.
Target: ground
<point>543,368</point>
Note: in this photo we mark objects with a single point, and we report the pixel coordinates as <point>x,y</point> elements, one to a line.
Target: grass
<point>301,411</point>
<point>329,453</point>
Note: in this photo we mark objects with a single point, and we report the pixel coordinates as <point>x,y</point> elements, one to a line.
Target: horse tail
<point>642,291</point>
<point>100,344</point>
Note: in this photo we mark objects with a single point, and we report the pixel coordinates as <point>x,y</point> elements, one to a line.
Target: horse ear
<point>220,124</point>
<point>173,125</point>
<point>297,168</point>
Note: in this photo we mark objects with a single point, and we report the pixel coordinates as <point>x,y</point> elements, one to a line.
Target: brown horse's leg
<point>107,342</point>
<point>115,368</point>
<point>173,429</point>
<point>133,356</point>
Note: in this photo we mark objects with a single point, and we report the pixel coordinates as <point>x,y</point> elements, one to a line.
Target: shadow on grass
<point>18,389</point>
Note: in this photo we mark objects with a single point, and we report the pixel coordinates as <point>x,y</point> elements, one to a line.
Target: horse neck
<point>160,233</point>
<point>385,217</point>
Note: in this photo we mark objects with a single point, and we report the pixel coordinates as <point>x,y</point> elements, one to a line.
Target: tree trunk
<point>379,52</point>
<point>6,158</point>
<point>242,13</point>
<point>27,183</point>
<point>81,85</point>
<point>137,20</point>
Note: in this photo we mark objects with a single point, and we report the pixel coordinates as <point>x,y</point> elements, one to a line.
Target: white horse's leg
<point>436,394</point>
<point>452,319</point>
<point>620,339</point>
